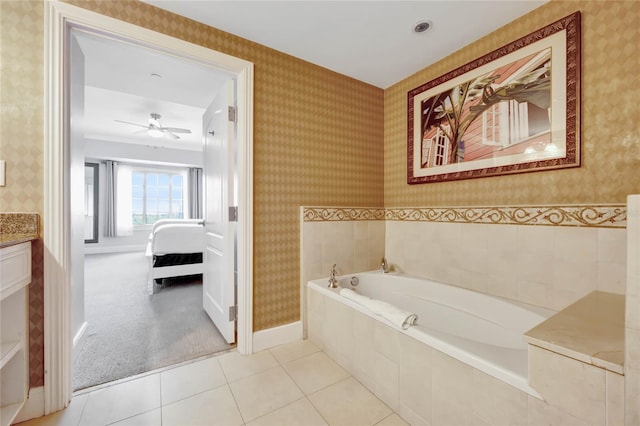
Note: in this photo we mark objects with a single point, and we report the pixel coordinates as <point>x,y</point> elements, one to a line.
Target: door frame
<point>59,19</point>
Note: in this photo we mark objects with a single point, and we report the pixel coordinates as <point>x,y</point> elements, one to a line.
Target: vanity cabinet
<point>15,276</point>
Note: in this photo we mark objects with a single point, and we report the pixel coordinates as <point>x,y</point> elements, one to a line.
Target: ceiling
<point>372,41</point>
<point>119,85</point>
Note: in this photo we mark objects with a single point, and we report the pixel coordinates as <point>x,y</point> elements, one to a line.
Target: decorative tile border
<point>601,216</point>
<point>327,214</point>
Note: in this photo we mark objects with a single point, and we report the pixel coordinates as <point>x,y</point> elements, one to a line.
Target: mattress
<point>176,259</point>
<point>178,238</point>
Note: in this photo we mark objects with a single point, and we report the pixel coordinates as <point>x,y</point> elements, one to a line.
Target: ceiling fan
<point>157,130</point>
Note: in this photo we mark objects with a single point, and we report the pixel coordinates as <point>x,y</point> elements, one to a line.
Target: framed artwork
<point>513,110</point>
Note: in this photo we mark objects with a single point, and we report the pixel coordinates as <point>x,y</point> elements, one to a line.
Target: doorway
<point>61,19</point>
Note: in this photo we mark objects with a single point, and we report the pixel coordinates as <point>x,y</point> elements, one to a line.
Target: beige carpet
<point>131,331</point>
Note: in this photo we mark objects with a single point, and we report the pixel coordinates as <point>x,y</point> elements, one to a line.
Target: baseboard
<point>78,340</point>
<point>265,339</point>
<point>113,249</point>
<point>34,407</point>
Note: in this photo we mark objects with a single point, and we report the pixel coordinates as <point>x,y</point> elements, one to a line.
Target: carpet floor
<point>131,331</point>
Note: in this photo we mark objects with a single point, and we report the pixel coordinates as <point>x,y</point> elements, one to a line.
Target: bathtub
<point>479,330</point>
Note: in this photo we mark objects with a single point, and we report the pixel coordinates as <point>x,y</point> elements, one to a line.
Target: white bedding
<point>177,238</point>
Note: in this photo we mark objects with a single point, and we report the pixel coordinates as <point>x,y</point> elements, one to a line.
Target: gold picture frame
<point>513,110</point>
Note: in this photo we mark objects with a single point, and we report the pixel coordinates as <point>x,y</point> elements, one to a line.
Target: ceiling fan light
<point>155,133</point>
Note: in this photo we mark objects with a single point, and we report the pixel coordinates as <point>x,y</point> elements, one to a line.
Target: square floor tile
<point>300,412</point>
<point>150,418</point>
<point>264,392</point>
<point>236,366</point>
<point>190,379</point>
<point>393,420</point>
<point>349,403</point>
<point>314,372</point>
<point>210,408</point>
<point>70,416</point>
<point>121,401</point>
<point>294,350</point>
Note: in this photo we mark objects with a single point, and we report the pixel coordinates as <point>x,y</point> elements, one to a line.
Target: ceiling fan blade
<point>139,132</point>
<point>134,124</point>
<point>170,135</point>
<point>176,130</point>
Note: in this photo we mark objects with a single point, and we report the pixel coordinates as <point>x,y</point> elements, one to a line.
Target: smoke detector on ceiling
<point>422,26</point>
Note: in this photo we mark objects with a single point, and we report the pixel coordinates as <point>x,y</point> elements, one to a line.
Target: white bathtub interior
<point>482,331</point>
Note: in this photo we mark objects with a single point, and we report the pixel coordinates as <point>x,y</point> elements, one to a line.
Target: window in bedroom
<point>156,195</point>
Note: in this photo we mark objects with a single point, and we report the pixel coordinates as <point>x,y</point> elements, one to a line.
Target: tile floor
<point>292,384</point>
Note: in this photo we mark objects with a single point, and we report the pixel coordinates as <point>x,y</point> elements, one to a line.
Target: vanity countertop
<point>13,239</point>
<point>16,228</point>
<point>591,330</point>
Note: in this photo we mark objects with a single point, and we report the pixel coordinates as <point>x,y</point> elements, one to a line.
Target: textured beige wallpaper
<point>317,137</point>
<point>21,105</point>
<point>21,109</point>
<point>610,115</point>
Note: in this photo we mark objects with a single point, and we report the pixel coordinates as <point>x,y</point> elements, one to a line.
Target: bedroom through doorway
<point>120,327</point>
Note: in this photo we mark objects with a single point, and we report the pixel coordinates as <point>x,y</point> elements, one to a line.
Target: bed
<point>175,248</point>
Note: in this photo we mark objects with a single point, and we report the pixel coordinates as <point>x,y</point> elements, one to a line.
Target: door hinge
<point>233,213</point>
<point>233,313</point>
<point>232,114</point>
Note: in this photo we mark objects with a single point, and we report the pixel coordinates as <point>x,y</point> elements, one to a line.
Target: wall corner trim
<point>34,407</point>
<point>271,337</point>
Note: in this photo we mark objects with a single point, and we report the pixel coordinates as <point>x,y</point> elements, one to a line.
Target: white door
<point>218,281</point>
<point>76,188</point>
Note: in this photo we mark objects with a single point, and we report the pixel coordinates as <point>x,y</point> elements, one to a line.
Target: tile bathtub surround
<point>535,254</point>
<point>547,266</point>
<point>590,330</point>
<point>292,384</point>
<point>425,386</point>
<point>591,394</point>
<point>632,311</point>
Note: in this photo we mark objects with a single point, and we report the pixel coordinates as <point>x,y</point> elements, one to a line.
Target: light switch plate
<point>2,169</point>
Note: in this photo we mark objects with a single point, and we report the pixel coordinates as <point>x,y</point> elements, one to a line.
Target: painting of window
<point>485,117</point>
<point>513,110</point>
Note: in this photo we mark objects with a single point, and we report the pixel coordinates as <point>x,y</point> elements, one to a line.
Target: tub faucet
<point>384,265</point>
<point>333,282</point>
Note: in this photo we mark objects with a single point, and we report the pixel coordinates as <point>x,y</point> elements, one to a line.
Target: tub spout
<point>333,282</point>
<point>384,265</point>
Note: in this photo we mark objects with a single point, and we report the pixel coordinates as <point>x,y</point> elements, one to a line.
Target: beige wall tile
<point>571,243</point>
<point>315,317</point>
<point>632,376</point>
<point>386,380</point>
<point>632,321</point>
<point>363,366</point>
<point>615,399</point>
<point>337,333</point>
<point>386,341</point>
<point>496,402</point>
<point>451,395</point>
<point>612,245</point>
<point>541,413</point>
<point>557,378</point>
<point>415,377</point>
<point>541,265</point>
<point>612,277</point>
<point>411,416</point>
